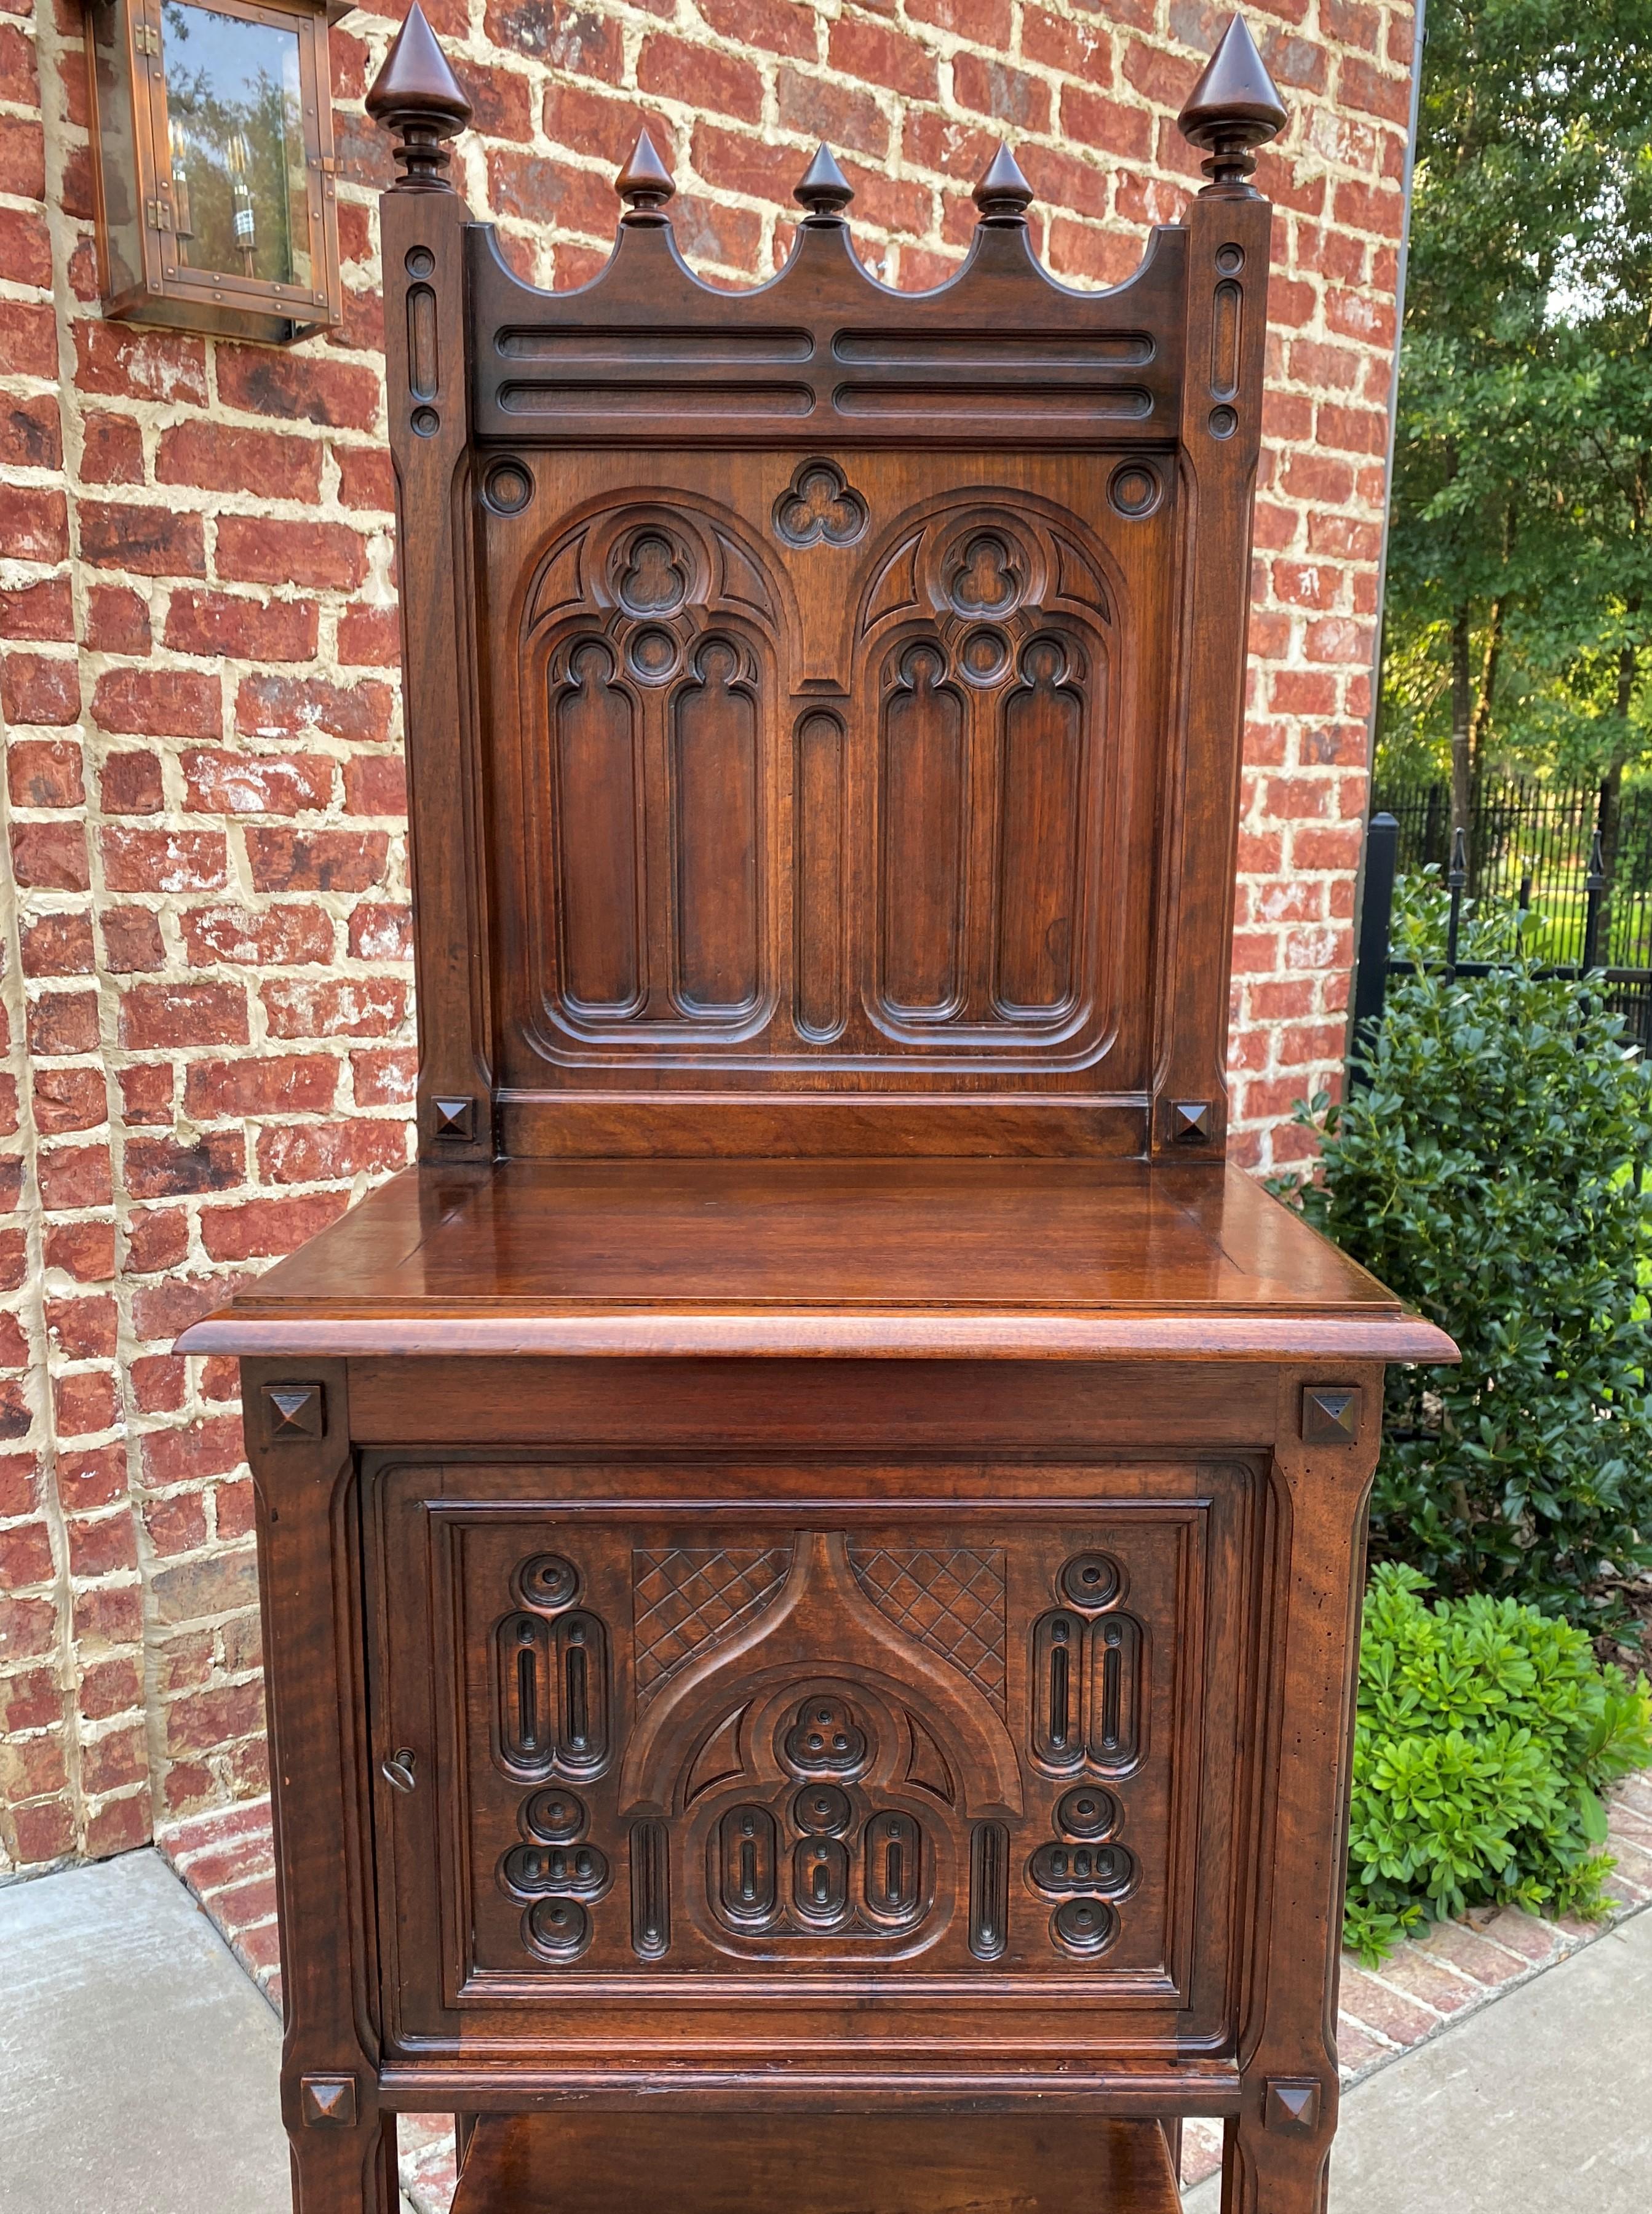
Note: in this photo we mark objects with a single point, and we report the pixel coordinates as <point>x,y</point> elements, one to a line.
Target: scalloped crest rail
<point>811,1547</point>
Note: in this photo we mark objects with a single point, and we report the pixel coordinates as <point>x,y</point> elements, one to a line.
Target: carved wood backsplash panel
<point>688,1743</point>
<point>827,780</point>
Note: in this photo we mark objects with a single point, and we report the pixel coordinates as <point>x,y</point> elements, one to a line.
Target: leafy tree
<point>1519,613</point>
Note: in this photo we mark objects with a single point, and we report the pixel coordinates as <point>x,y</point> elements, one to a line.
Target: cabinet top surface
<point>945,1259</point>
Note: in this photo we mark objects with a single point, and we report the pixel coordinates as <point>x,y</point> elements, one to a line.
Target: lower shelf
<point>654,2163</point>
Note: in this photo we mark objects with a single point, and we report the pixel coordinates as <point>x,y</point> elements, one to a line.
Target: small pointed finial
<point>1233,107</point>
<point>1003,195</point>
<point>823,189</point>
<point>644,185</point>
<point>417,96</point>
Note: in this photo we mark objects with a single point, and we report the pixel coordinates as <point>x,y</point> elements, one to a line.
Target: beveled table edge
<point>812,1334</point>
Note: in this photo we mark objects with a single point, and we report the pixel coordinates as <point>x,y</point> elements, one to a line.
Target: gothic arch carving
<point>821,1624</point>
<point>652,644</point>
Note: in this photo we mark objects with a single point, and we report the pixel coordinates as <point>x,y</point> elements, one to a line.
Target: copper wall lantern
<point>212,144</point>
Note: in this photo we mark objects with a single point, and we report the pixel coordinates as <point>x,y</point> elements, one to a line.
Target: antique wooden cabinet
<point>812,1547</point>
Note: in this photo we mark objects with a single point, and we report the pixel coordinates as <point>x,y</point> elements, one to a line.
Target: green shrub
<point>1485,1735</point>
<point>1491,1173</point>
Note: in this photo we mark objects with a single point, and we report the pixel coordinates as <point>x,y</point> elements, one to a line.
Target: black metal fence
<point>1580,901</point>
<point>1529,845</point>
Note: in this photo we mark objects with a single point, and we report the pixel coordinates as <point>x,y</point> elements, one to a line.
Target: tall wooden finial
<point>417,96</point>
<point>644,185</point>
<point>823,189</point>
<point>1233,107</point>
<point>1003,195</point>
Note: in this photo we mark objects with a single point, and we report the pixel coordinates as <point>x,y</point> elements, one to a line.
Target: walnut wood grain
<point>572,2164</point>
<point>942,1260</point>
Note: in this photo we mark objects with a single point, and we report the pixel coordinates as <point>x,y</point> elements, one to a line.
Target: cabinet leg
<point>1276,2155</point>
<point>1172,2145</point>
<point>340,2170</point>
<point>463,2129</point>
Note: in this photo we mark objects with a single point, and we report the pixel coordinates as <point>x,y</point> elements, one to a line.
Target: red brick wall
<point>206,988</point>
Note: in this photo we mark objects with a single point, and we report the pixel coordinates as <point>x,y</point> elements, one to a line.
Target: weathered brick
<point>117,620</point>
<point>85,1250</point>
<point>112,449</point>
<point>223,783</point>
<point>383,1076</point>
<point>158,703</point>
<point>270,705</point>
<point>266,551</point>
<point>45,610</point>
<point>210,1584</point>
<point>283,1084</point>
<point>39,687</point>
<point>844,116</point>
<point>164,860</point>
<point>131,362</point>
<point>74,1177</point>
<point>159,1168</point>
<point>218,456</point>
<point>295,1153</point>
<point>173,1014</point>
<point>283,936</point>
<point>34,524</point>
<point>131,940</point>
<point>352,1006</point>
<point>284,860</point>
<point>300,386</point>
<point>50,857</point>
<point>242,628</point>
<point>62,1023</point>
<point>151,541</point>
<point>44,772</point>
<point>69,1099</point>
<point>263,1226</point>
<point>157,1239</point>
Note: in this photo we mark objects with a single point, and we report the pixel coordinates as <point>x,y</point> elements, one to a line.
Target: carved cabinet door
<point>688,1767</point>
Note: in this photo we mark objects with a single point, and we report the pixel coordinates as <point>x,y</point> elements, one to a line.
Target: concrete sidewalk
<point>139,2065</point>
<point>1539,2104</point>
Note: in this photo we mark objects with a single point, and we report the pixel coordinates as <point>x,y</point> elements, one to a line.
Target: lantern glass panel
<point>235,142</point>
<point>119,169</point>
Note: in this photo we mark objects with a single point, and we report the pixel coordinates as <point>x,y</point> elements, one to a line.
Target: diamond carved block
<point>1190,1122</point>
<point>1292,2107</point>
<point>294,1411</point>
<point>1330,1413</point>
<point>454,1118</point>
<point>329,2102</point>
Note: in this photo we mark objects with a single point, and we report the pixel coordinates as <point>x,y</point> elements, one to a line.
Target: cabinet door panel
<point>721,1770</point>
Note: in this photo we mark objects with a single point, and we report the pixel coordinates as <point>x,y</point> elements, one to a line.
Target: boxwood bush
<point>1485,1735</point>
<point>1491,1173</point>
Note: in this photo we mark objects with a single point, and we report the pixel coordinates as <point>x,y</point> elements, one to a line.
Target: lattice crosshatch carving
<point>950,1599</point>
<point>687,1598</point>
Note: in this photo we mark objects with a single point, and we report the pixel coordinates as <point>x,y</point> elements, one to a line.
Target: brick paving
<point>1429,1982</point>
